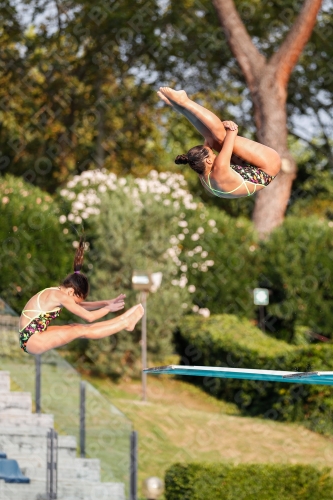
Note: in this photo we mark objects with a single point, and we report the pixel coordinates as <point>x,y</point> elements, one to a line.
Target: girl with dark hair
<point>242,166</point>
<point>36,336</point>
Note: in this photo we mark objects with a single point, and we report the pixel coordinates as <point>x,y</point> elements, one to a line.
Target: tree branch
<point>287,55</point>
<point>244,50</point>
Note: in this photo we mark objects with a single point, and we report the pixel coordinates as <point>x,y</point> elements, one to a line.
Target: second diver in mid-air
<point>241,168</point>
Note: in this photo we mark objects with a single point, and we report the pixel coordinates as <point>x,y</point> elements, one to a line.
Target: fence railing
<point>107,429</point>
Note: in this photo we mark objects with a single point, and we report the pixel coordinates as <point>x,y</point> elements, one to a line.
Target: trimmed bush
<point>297,262</point>
<point>224,340</point>
<point>197,481</point>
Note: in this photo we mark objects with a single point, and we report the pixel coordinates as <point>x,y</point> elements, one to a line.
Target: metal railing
<point>107,430</point>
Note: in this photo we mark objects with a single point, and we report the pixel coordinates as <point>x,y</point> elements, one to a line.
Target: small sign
<point>261,296</point>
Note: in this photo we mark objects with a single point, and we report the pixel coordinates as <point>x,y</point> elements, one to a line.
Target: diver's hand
<point>116,304</point>
<point>229,125</point>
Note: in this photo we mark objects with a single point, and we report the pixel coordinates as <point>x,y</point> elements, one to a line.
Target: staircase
<point>23,437</point>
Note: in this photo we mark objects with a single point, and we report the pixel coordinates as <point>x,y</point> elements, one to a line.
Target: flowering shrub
<point>207,247</point>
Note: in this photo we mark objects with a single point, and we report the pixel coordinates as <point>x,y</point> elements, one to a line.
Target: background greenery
<point>223,482</point>
<point>85,145</point>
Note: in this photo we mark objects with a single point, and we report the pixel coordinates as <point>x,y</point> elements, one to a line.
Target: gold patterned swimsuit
<point>38,323</point>
<point>248,173</point>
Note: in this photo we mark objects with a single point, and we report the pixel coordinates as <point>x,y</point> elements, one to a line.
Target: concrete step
<point>85,469</point>
<point>4,382</point>
<point>27,445</point>
<point>90,491</point>
<point>32,491</point>
<point>27,420</point>
<point>15,402</point>
<point>76,469</point>
<point>66,447</point>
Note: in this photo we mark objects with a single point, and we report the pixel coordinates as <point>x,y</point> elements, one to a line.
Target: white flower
<point>204,254</point>
<point>204,312</point>
<point>181,237</point>
<point>183,281</point>
<point>102,188</point>
<point>62,219</point>
<point>71,217</point>
<point>78,220</point>
<point>212,223</point>
<point>174,240</point>
<point>78,205</point>
<point>122,181</point>
<point>182,223</point>
<point>209,263</point>
<point>195,309</point>
<point>195,237</point>
<point>200,230</point>
<point>153,174</point>
<point>191,289</point>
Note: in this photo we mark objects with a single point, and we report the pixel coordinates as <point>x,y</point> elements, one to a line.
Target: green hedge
<point>297,263</point>
<point>196,481</point>
<point>224,340</point>
<point>34,250</point>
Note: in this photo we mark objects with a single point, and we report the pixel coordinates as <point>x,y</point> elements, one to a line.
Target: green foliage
<point>130,228</point>
<point>221,261</point>
<point>225,340</point>
<point>196,481</point>
<point>33,252</point>
<point>297,262</point>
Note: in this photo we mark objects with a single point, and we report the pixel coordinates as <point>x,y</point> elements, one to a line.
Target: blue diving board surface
<point>321,378</point>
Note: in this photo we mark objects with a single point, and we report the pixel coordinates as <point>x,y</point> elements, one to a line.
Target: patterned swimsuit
<point>37,324</point>
<point>248,173</point>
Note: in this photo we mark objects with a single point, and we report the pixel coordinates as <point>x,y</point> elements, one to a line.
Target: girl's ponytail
<point>77,280</point>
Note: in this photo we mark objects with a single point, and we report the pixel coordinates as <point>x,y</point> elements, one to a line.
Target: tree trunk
<point>269,101</point>
<point>267,82</point>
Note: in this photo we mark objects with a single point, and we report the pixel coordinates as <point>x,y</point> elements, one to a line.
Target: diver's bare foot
<point>165,99</point>
<point>177,96</point>
<point>130,311</point>
<point>133,318</point>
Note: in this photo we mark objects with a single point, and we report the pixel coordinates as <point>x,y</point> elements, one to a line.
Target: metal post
<point>134,466</point>
<point>82,419</point>
<point>38,383</point>
<point>52,465</point>
<point>262,318</point>
<point>144,345</point>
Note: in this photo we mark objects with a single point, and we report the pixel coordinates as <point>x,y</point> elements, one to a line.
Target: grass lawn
<point>180,422</point>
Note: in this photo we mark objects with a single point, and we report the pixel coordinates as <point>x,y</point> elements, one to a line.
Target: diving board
<point>320,378</point>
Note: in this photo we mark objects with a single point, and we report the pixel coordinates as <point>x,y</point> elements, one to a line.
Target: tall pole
<point>38,383</point>
<point>134,465</point>
<point>82,419</point>
<point>262,318</point>
<point>144,345</point>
